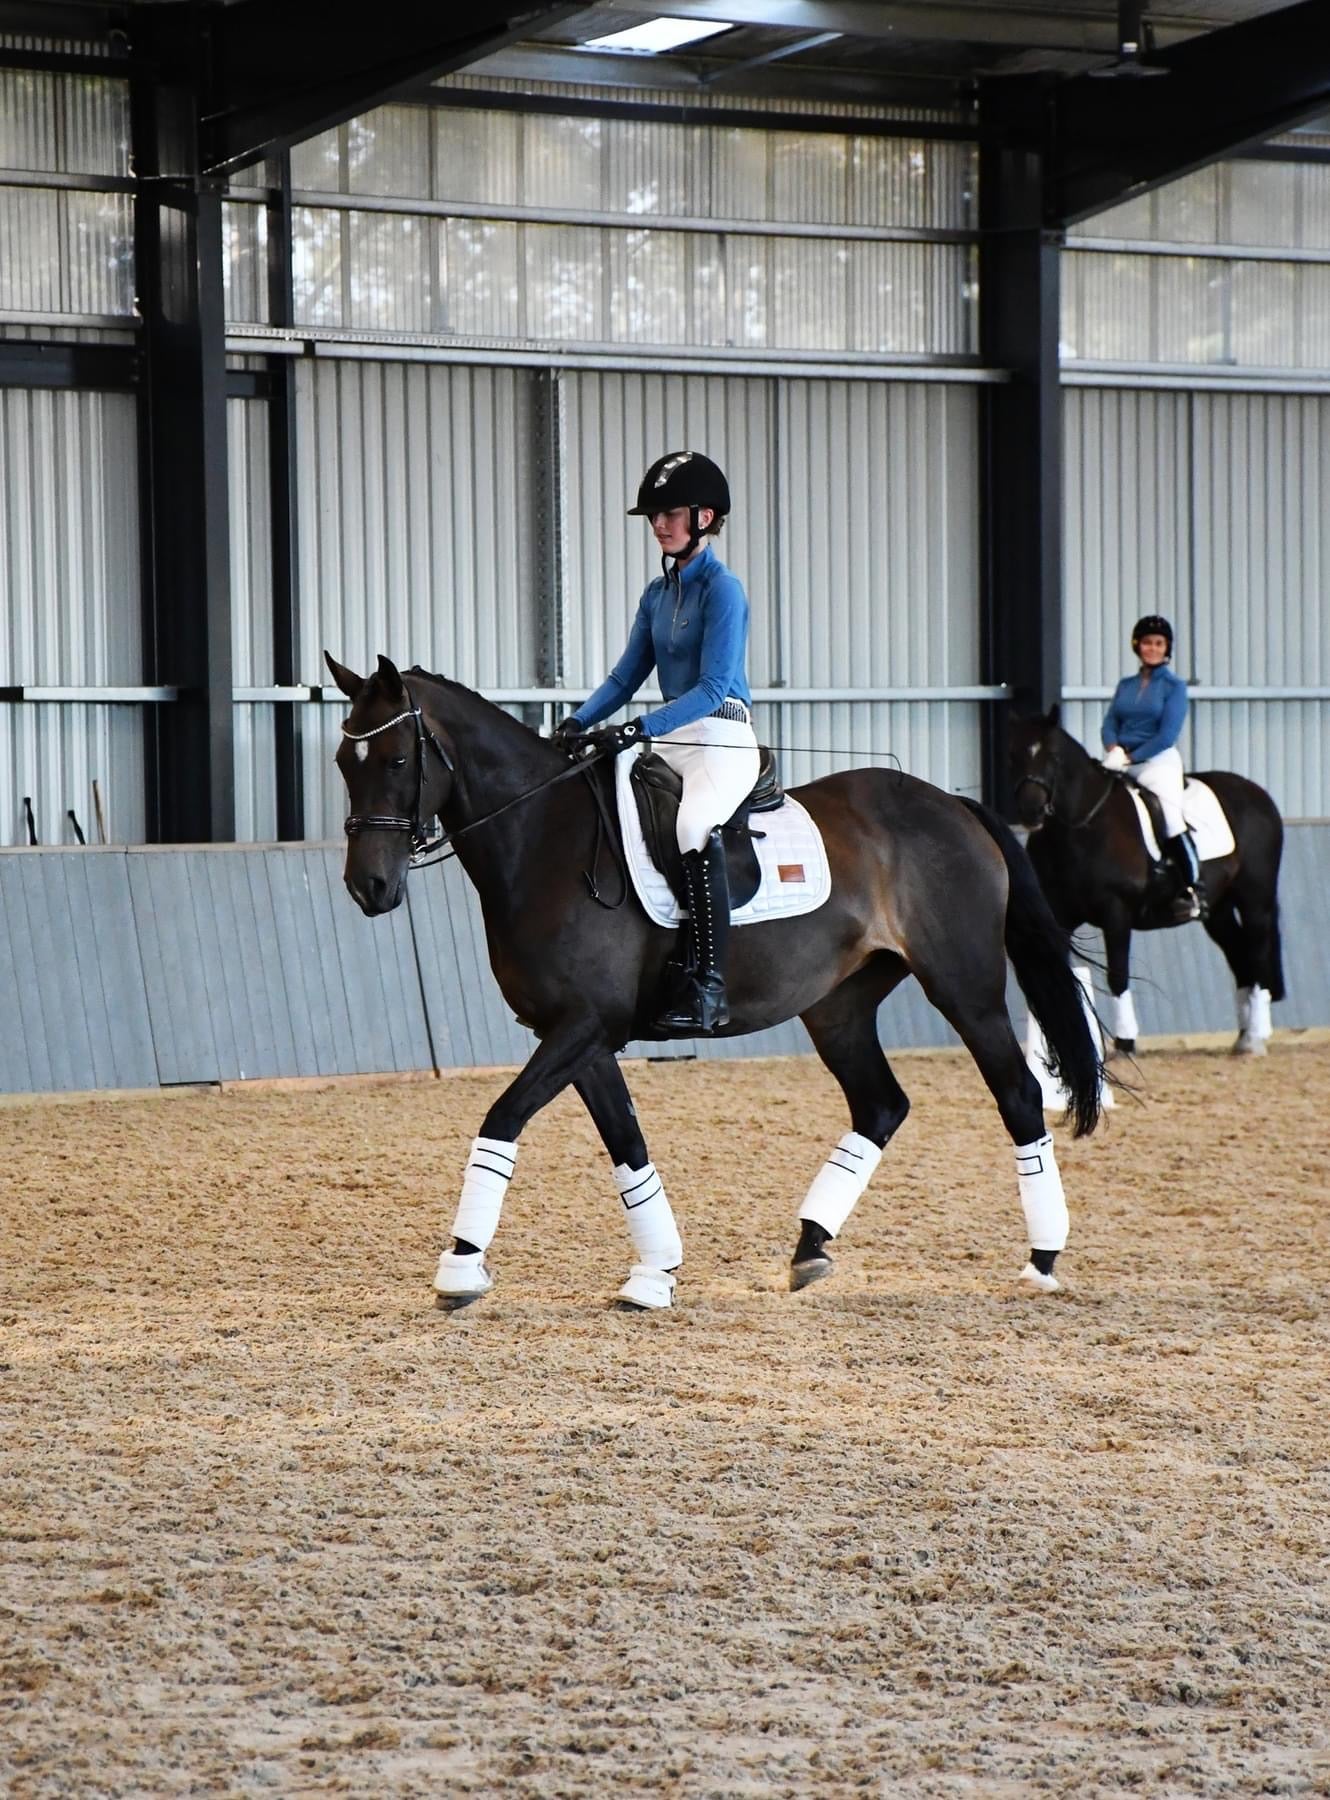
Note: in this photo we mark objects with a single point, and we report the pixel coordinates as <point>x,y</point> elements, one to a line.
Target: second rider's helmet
<point>1152,625</point>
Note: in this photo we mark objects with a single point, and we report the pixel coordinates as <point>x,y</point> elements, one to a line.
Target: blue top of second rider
<point>693,628</point>
<point>1146,717</point>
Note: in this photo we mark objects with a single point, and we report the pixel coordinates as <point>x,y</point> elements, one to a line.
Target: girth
<point>658,788</point>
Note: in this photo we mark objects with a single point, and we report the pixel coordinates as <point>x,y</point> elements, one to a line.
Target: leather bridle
<point>421,841</point>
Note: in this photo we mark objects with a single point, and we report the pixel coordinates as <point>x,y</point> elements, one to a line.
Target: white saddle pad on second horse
<point>796,877</point>
<point>1206,820</point>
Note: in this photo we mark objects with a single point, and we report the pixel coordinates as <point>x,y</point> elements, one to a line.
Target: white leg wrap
<point>1244,1009</point>
<point>1260,1013</point>
<point>489,1169</point>
<point>650,1221</point>
<point>1123,1015</point>
<point>1042,1199</point>
<point>840,1181</point>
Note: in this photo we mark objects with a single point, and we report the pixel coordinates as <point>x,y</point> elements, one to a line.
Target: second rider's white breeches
<point>1165,778</point>
<point>718,761</point>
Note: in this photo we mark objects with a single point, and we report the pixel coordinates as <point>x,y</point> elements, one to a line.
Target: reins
<point>426,851</point>
<point>1111,782</point>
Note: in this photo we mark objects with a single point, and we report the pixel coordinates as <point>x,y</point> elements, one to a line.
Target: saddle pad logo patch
<point>791,871</point>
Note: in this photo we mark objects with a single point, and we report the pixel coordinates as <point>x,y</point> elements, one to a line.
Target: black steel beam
<point>283,73</point>
<point>1021,495</point>
<point>1222,92</point>
<point>178,256</point>
<point>681,113</point>
<point>289,771</point>
<point>35,365</point>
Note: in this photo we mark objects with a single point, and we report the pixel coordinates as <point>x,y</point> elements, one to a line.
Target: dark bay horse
<point>1085,842</point>
<point>924,884</point>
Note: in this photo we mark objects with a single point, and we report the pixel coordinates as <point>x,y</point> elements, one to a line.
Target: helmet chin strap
<point>694,539</point>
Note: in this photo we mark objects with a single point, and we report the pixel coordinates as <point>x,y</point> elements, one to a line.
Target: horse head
<point>398,772</point>
<point>1037,751</point>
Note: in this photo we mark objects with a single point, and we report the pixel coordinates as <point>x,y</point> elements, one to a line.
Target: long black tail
<point>1040,952</point>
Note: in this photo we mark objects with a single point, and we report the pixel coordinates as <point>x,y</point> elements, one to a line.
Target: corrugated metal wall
<point>417,487</point>
<point>1210,508</point>
<point>69,564</point>
<point>855,532</point>
<point>1262,574</point>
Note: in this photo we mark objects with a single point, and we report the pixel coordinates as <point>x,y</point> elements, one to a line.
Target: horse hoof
<point>450,1303</point>
<point>1249,1046</point>
<point>1126,1045</point>
<point>804,1274</point>
<point>1038,1281</point>
<point>646,1290</point>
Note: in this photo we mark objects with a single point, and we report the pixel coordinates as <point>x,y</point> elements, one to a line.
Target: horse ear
<point>1055,713</point>
<point>390,676</point>
<point>346,679</point>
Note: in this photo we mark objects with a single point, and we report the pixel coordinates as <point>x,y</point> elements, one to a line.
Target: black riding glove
<point>566,733</point>
<point>611,739</point>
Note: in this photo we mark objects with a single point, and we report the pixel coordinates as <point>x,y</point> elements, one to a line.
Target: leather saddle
<point>657,789</point>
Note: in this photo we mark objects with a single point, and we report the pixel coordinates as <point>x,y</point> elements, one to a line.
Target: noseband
<point>421,841</point>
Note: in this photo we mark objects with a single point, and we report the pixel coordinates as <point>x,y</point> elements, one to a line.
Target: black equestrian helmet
<point>682,478</point>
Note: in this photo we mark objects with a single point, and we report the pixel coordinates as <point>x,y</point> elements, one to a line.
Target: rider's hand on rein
<point>567,733</point>
<point>609,740</point>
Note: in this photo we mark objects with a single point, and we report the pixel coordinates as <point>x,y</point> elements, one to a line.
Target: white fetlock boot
<point>651,1283</point>
<point>489,1169</point>
<point>1045,1207</point>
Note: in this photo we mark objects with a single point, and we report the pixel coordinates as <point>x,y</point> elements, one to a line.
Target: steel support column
<point>1022,424</point>
<point>289,773</point>
<point>178,251</point>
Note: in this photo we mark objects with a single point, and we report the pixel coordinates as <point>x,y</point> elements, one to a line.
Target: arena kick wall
<point>142,967</point>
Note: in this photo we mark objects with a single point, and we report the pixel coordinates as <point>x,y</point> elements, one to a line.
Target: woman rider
<point>692,626</point>
<point>1141,730</point>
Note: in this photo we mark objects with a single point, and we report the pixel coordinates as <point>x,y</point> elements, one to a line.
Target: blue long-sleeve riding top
<point>1146,719</point>
<point>695,632</point>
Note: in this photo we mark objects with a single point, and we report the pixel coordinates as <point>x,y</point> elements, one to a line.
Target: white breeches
<point>718,761</point>
<point>1163,775</point>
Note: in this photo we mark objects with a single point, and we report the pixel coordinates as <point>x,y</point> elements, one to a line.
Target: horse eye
<point>398,762</point>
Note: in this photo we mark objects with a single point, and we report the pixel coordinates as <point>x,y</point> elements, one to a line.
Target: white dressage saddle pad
<point>1206,820</point>
<point>792,858</point>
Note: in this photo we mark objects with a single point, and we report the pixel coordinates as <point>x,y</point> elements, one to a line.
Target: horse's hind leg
<point>843,1028</point>
<point>1244,940</point>
<point>981,1020</point>
<point>650,1284</point>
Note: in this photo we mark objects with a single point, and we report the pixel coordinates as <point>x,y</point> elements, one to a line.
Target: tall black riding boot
<point>1190,901</point>
<point>698,1005</point>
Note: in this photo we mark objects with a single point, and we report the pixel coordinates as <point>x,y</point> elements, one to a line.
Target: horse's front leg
<point>656,1240</point>
<point>559,1058</point>
<point>1122,1008</point>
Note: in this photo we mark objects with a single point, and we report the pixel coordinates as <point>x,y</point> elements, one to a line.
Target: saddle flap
<point>658,788</point>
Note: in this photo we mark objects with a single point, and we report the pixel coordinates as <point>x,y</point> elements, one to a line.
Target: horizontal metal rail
<point>695,225</point>
<point>318,695</point>
<point>1197,690</point>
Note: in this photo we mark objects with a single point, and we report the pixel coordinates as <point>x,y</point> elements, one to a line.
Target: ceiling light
<point>656,35</point>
